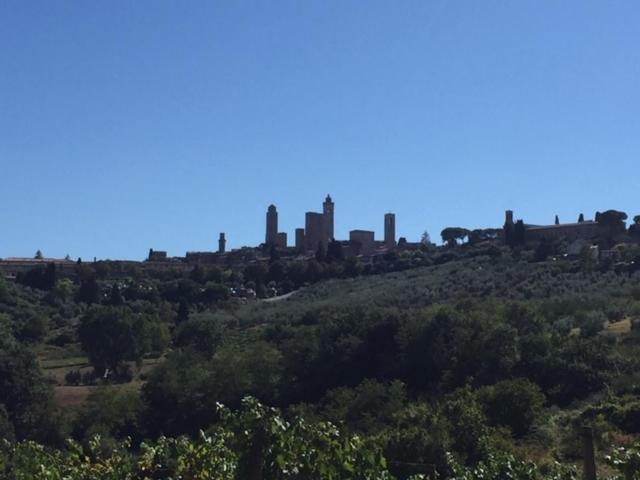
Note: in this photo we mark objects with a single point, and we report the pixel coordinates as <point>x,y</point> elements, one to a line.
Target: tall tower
<point>327,212</point>
<point>314,231</point>
<point>272,225</point>
<point>390,230</point>
<point>222,243</point>
<point>508,217</point>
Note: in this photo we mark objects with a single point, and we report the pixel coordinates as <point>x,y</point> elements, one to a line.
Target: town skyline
<point>382,234</point>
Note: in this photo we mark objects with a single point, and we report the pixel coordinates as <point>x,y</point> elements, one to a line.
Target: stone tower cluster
<point>318,228</point>
<point>318,231</point>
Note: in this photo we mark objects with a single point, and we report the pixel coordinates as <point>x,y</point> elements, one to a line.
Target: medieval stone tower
<point>327,213</point>
<point>390,230</point>
<point>272,226</point>
<point>222,243</point>
<point>314,231</point>
<point>508,218</point>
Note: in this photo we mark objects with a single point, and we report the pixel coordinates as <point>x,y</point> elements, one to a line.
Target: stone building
<point>362,242</point>
<point>582,229</point>
<point>327,212</point>
<point>281,240</point>
<point>272,225</point>
<point>157,255</point>
<point>390,230</point>
<point>318,228</point>
<point>314,235</point>
<point>222,243</point>
<point>571,231</point>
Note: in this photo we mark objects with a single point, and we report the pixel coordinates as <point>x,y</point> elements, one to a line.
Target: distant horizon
<point>435,238</point>
<point>129,126</point>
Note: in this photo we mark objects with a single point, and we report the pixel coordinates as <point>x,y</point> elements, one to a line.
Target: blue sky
<point>130,125</point>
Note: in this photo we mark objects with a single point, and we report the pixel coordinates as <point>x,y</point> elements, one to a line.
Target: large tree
<point>612,219</point>
<point>451,235</point>
<point>111,335</point>
<point>25,396</point>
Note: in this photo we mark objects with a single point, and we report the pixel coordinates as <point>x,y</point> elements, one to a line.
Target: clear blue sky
<point>126,125</point>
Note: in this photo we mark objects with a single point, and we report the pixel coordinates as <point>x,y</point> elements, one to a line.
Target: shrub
<point>516,404</point>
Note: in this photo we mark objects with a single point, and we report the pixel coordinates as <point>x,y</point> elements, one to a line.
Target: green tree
<point>201,332</point>
<point>42,278</point>
<point>111,414</point>
<point>108,338</point>
<point>592,323</point>
<point>25,396</point>
<point>419,433</point>
<point>89,291</point>
<point>214,293</point>
<point>367,407</point>
<point>182,393</point>
<point>613,221</point>
<point>256,273</point>
<point>515,403</point>
<point>183,312</point>
<point>115,297</point>
<point>468,425</point>
<point>451,235</point>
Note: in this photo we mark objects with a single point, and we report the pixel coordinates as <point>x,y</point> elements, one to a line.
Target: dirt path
<point>280,297</point>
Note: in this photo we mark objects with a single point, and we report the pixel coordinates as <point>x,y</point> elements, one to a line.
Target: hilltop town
<point>597,237</point>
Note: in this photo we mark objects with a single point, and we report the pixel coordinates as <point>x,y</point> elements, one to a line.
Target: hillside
<point>476,351</point>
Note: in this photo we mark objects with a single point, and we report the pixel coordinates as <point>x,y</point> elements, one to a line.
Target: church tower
<point>327,213</point>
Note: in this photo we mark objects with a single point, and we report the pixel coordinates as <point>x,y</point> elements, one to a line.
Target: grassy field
<point>57,362</point>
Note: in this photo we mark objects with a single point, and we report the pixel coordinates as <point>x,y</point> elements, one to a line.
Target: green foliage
<point>626,461</point>
<point>365,408</point>
<point>110,335</point>
<point>43,278</point>
<point>214,293</point>
<point>183,391</point>
<point>468,426</point>
<point>502,466</point>
<point>110,414</point>
<point>612,219</point>
<point>256,442</point>
<point>592,323</point>
<point>89,291</point>
<point>24,394</point>
<point>451,235</point>
<point>423,351</point>
<point>419,433</point>
<point>201,332</point>
<point>514,403</point>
